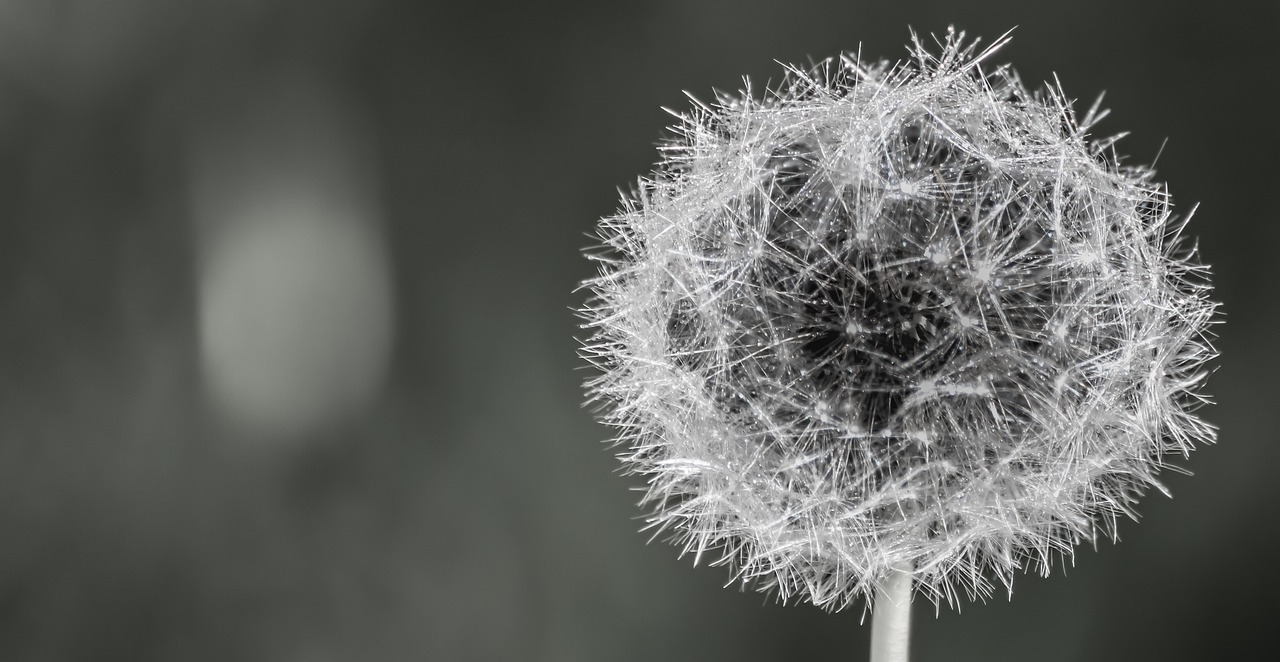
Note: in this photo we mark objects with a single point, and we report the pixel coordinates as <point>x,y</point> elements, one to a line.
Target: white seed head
<point>895,315</point>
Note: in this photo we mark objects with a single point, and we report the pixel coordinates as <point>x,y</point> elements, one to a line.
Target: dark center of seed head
<point>868,332</point>
<point>865,320</point>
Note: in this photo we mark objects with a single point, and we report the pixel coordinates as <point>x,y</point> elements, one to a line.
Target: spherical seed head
<point>895,315</point>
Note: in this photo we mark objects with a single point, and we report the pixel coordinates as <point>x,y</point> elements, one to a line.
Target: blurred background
<point>287,368</point>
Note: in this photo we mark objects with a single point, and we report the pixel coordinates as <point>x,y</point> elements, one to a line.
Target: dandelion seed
<point>895,320</point>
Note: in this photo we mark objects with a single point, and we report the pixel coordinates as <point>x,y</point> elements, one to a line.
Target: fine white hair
<point>895,315</point>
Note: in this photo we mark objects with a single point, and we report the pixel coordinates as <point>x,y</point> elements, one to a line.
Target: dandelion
<point>895,325</point>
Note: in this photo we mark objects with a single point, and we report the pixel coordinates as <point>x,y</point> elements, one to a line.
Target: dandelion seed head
<point>895,315</point>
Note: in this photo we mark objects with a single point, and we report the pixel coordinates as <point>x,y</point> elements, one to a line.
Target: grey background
<point>464,508</point>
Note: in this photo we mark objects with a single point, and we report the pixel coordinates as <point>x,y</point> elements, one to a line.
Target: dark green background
<point>472,513</point>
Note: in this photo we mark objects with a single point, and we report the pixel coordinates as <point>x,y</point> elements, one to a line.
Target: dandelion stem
<point>891,618</point>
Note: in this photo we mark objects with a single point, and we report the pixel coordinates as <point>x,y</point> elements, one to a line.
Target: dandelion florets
<point>895,315</point>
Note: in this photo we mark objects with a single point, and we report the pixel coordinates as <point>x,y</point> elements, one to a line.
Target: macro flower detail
<point>906,315</point>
